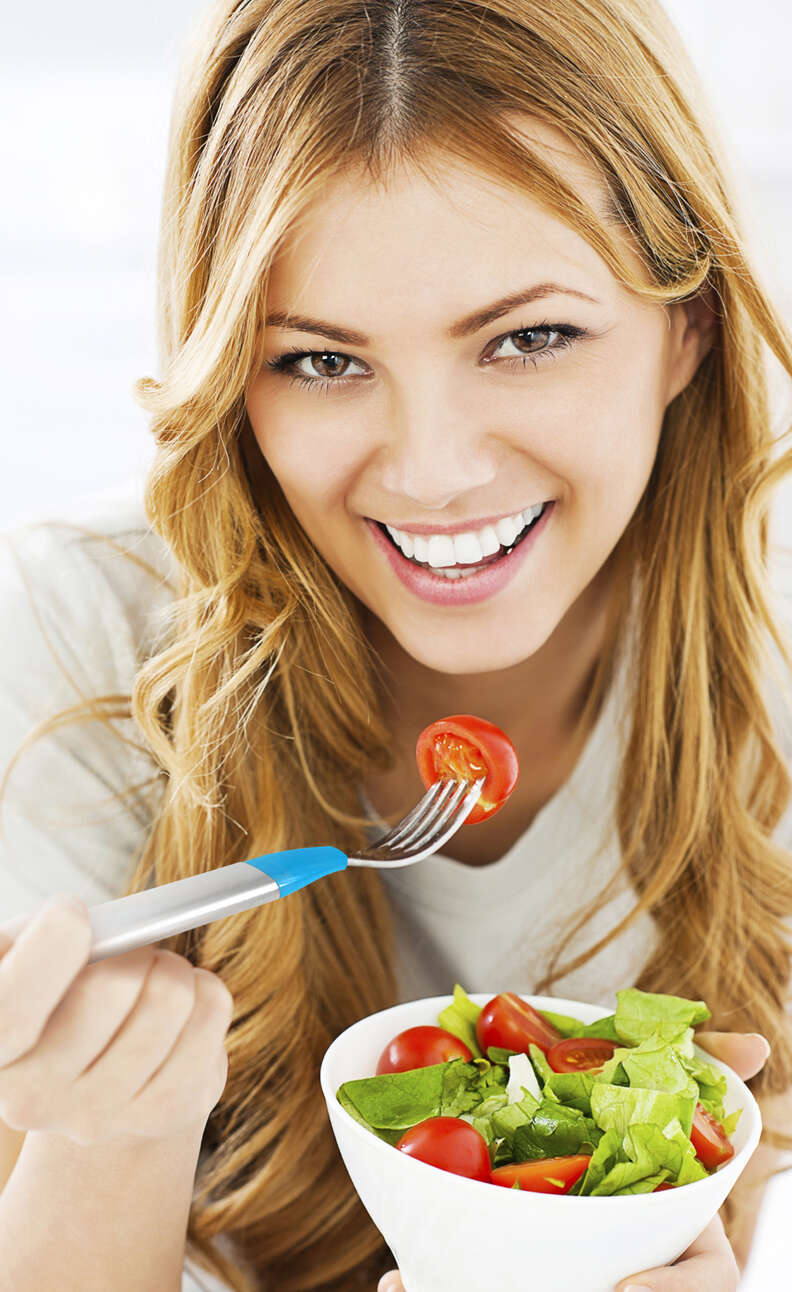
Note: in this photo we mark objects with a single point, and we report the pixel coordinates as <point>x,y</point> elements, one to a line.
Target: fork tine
<point>434,798</point>
<point>435,818</point>
<point>445,823</point>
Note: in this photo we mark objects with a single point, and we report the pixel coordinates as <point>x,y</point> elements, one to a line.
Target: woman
<point>510,223</point>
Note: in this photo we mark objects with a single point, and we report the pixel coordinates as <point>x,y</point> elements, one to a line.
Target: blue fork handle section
<point>139,919</point>
<point>298,867</point>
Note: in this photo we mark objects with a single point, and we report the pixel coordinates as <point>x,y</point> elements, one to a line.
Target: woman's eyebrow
<point>464,327</point>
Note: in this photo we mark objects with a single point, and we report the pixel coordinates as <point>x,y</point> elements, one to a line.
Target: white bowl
<point>448,1232</point>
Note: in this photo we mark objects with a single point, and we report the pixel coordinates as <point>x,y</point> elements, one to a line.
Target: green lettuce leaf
<point>640,1160</point>
<point>640,1014</point>
<point>541,1067</point>
<point>459,1018</point>
<point>554,1131</point>
<point>605,1156</point>
<point>711,1084</point>
<point>656,1065</point>
<point>466,1085</point>
<point>563,1023</point>
<point>572,1089</point>
<point>618,1106</point>
<point>603,1027</point>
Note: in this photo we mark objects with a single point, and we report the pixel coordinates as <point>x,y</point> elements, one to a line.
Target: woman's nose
<point>434,452</point>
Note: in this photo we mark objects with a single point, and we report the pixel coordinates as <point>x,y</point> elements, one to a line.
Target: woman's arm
<point>85,1219</point>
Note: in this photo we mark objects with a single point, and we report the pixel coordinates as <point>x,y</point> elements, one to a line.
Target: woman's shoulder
<point>83,601</point>
<point>94,577</point>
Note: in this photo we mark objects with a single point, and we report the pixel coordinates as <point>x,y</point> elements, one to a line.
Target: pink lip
<point>461,528</point>
<point>458,592</point>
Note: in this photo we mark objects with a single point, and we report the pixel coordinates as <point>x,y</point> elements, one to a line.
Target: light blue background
<point>85,95</point>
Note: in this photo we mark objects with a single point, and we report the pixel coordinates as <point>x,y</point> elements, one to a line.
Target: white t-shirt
<point>490,927</point>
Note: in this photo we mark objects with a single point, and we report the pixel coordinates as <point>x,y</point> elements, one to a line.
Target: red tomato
<point>465,747</point>
<point>547,1175</point>
<point>660,1187</point>
<point>580,1054</point>
<point>451,1144</point>
<point>510,1022</point>
<point>709,1139</point>
<point>419,1047</point>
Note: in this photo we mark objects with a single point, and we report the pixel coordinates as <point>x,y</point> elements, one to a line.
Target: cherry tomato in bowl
<point>463,747</point>
<point>545,1175</point>
<point>418,1047</point>
<point>450,1143</point>
<point>512,1023</point>
<point>580,1054</point>
<point>709,1139</point>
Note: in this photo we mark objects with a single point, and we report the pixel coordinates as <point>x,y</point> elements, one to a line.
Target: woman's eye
<point>528,343</point>
<point>325,369</point>
<point>313,367</point>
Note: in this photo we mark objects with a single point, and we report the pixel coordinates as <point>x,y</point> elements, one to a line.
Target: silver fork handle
<point>141,918</point>
<point>156,913</point>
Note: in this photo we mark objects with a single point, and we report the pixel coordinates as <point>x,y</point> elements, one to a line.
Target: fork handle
<point>141,918</point>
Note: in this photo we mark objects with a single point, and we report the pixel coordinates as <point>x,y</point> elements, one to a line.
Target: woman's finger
<point>708,1265</point>
<point>745,1052</point>
<point>390,1282</point>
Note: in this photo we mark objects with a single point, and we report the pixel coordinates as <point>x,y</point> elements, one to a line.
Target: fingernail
<point>757,1036</point>
<point>388,1283</point>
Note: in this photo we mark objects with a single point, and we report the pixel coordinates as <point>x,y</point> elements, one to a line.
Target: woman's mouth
<point>431,568</point>
<point>468,553</point>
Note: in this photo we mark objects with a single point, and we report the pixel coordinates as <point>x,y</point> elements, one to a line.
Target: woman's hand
<point>709,1264</point>
<point>133,1045</point>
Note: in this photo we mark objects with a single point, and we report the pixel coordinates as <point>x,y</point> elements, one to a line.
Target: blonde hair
<point>262,710</point>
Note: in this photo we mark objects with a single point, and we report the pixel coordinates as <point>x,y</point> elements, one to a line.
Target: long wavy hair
<point>262,711</point>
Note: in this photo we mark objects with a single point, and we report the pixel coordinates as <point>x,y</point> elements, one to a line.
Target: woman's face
<point>429,426</point>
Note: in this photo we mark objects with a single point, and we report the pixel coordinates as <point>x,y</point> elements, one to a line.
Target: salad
<point>529,1099</point>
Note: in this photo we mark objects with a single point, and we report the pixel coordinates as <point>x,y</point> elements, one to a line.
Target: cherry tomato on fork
<point>418,1047</point>
<point>510,1022</point>
<point>463,747</point>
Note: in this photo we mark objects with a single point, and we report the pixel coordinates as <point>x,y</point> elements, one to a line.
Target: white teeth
<point>442,551</point>
<point>468,549</point>
<point>421,552</point>
<point>508,529</point>
<point>489,540</point>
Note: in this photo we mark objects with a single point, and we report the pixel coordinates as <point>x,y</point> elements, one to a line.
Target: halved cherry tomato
<point>580,1054</point>
<point>546,1175</point>
<point>660,1187</point>
<point>450,1143</point>
<point>418,1047</point>
<point>510,1022</point>
<point>465,747</point>
<point>709,1139</point>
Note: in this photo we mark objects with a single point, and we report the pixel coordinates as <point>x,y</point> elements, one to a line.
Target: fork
<point>141,918</point>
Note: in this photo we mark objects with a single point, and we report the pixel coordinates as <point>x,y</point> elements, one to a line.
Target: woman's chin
<point>445,653</point>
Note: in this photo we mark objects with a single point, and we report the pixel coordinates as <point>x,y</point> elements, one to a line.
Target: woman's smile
<point>452,584</point>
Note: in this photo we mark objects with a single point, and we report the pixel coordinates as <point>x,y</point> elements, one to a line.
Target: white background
<point>85,96</point>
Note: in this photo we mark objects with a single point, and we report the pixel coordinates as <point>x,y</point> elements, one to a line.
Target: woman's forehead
<point>424,228</point>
